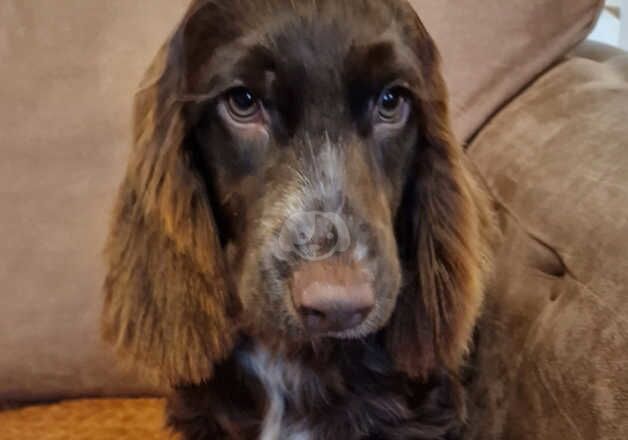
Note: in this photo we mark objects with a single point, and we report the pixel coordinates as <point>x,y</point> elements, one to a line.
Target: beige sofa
<point>546,126</point>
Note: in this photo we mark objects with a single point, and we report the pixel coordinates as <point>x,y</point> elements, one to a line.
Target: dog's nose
<point>332,297</point>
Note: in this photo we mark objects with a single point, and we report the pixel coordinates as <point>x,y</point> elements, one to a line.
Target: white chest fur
<point>279,378</point>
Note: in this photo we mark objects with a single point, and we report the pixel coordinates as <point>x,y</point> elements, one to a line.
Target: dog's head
<point>294,178</point>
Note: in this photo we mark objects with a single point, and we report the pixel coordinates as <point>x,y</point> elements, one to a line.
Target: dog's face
<point>306,132</point>
<point>293,170</point>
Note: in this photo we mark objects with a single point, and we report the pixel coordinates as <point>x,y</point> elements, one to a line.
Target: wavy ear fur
<point>443,227</point>
<point>168,305</point>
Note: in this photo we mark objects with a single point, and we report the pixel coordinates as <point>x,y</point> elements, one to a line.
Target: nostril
<point>313,319</point>
<point>311,313</point>
<point>334,318</point>
<point>364,312</point>
<point>356,318</point>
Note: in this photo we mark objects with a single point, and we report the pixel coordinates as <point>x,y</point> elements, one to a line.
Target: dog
<point>299,248</point>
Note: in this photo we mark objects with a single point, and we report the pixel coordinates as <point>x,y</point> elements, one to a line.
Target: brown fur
<point>167,303</point>
<point>187,288</point>
<point>452,247</point>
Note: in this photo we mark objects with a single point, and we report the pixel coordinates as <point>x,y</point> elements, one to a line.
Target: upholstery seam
<point>537,237</point>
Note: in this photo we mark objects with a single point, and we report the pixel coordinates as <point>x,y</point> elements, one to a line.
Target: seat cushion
<point>553,349</point>
<point>69,72</point>
<point>107,419</point>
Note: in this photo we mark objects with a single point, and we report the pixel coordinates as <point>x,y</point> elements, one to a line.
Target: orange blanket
<point>114,419</point>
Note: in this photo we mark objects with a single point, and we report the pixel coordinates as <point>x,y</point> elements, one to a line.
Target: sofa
<point>542,116</point>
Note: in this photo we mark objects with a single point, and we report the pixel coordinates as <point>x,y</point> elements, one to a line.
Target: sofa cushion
<point>106,419</point>
<point>69,72</point>
<point>493,48</point>
<point>553,349</point>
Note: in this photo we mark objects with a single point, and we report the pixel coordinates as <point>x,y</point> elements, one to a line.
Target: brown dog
<point>298,248</point>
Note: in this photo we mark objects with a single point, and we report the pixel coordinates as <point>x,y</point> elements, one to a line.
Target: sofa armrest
<point>596,51</point>
<point>552,354</point>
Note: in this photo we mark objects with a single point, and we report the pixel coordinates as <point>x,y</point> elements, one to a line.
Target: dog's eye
<point>392,106</point>
<point>242,104</point>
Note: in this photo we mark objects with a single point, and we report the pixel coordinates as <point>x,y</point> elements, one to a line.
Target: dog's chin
<point>285,331</point>
<point>362,331</point>
<point>291,340</point>
<point>374,322</point>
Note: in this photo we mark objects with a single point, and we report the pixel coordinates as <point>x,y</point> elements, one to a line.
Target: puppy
<point>298,248</point>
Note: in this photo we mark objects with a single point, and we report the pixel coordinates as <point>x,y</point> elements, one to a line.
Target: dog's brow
<point>231,65</point>
<point>381,63</point>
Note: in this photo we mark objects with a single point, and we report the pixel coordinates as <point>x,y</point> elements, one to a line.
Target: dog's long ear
<point>168,305</point>
<point>442,229</point>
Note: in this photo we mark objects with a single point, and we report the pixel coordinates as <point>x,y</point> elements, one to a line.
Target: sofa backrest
<point>69,70</point>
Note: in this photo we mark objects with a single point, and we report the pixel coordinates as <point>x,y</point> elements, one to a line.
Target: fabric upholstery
<point>131,419</point>
<point>69,71</point>
<point>553,347</point>
<point>596,51</point>
<point>68,77</point>
<point>493,48</point>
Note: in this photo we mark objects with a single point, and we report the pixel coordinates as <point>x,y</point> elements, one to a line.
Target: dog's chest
<point>283,383</point>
